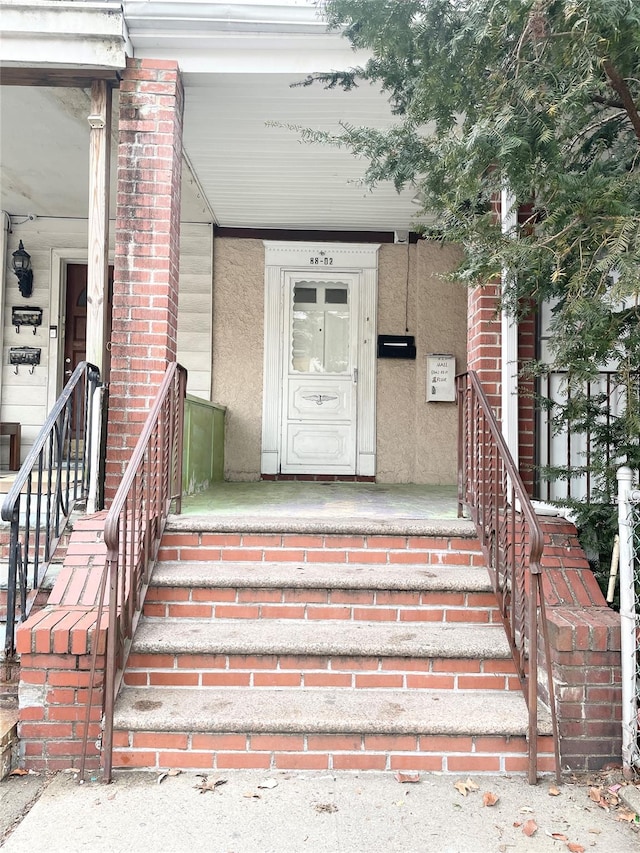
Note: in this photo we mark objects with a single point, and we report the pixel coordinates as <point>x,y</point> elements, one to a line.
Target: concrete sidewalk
<point>260,812</point>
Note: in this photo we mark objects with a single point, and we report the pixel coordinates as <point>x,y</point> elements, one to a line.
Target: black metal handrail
<point>53,478</point>
<point>132,533</point>
<point>512,542</point>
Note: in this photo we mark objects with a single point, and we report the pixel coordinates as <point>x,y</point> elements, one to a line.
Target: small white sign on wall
<point>441,378</point>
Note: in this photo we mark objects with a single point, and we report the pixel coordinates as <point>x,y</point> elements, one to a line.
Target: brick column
<point>55,646</point>
<point>484,345</point>
<point>526,404</point>
<point>145,290</point>
<point>484,354</point>
<point>584,640</point>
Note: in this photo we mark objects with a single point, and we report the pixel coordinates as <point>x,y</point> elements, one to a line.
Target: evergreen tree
<point>542,96</point>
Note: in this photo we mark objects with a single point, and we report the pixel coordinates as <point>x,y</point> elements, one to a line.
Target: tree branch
<point>608,102</point>
<point>620,87</point>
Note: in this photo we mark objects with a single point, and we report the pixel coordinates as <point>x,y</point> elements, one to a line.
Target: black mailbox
<point>396,346</point>
<point>26,315</point>
<point>24,355</point>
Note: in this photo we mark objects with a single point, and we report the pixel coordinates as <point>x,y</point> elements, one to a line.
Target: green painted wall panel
<point>203,459</point>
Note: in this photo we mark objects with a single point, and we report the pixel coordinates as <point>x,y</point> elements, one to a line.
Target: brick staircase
<point>335,651</point>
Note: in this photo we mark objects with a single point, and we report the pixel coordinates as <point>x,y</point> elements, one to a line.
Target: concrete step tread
<point>319,637</point>
<point>321,576</point>
<point>244,523</point>
<point>323,710</point>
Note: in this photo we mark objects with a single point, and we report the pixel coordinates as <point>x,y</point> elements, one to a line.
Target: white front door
<point>319,391</point>
<point>320,373</point>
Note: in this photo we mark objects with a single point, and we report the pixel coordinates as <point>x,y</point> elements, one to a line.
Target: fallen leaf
<point>465,787</point>
<point>574,847</point>
<point>526,810</point>
<point>530,826</point>
<point>623,814</point>
<point>554,792</point>
<point>268,783</point>
<point>19,771</point>
<point>209,784</point>
<point>517,823</point>
<point>251,796</point>
<point>595,831</point>
<point>613,789</point>
<point>407,777</point>
<point>489,799</point>
<point>559,836</point>
<point>174,771</point>
<point>595,794</point>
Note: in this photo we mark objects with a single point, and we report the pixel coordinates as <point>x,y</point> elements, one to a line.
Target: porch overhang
<point>57,42</point>
<point>259,36</point>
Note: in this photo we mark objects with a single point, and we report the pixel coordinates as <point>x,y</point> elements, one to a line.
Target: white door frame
<point>302,257</point>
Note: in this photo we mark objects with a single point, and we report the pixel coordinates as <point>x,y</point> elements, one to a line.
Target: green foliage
<point>542,96</point>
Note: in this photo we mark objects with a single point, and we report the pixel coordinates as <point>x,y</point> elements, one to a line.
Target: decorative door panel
<point>328,447</point>
<point>321,399</point>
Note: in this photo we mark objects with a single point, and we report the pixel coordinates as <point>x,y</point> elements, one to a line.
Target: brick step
<point>210,728</point>
<point>318,591</point>
<point>460,548</point>
<point>296,653</point>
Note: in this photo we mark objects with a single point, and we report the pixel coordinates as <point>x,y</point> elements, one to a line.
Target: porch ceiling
<point>243,168</point>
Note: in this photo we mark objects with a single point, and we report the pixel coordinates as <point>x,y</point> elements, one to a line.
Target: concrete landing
<point>303,507</point>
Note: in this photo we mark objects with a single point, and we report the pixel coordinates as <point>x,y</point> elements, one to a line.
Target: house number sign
<point>321,261</point>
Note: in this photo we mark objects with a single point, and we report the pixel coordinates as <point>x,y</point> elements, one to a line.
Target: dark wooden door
<point>75,338</point>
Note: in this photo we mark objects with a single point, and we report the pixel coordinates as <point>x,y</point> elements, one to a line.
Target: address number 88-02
<point>319,262</point>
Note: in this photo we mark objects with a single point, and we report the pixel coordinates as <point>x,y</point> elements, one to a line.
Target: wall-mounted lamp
<point>22,268</point>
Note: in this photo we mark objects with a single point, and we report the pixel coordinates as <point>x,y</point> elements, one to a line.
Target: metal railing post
<point>628,624</point>
<point>495,493</point>
<point>132,533</point>
<point>38,511</point>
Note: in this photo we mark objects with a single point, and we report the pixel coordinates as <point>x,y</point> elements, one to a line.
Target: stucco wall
<point>238,347</point>
<point>416,440</point>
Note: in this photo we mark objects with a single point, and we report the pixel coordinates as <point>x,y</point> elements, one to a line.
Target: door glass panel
<point>336,339</point>
<point>304,295</point>
<point>320,327</point>
<point>335,296</point>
